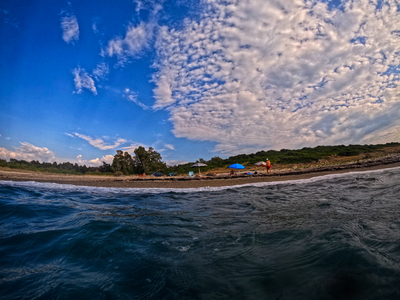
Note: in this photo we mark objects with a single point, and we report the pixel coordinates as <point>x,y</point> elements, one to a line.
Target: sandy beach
<point>390,161</point>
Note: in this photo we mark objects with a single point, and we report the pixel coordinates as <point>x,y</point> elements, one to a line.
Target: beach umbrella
<point>236,166</point>
<point>260,163</point>
<point>199,165</point>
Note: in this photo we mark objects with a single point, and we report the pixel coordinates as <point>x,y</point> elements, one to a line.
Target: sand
<point>186,182</point>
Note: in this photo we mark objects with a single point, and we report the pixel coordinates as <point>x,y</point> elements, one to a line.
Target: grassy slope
<point>302,158</point>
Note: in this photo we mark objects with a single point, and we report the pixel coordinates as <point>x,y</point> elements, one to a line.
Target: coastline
<point>390,161</point>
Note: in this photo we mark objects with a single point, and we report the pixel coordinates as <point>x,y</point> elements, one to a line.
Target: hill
<point>299,158</point>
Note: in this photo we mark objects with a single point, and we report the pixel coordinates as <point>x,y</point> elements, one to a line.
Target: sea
<point>330,237</point>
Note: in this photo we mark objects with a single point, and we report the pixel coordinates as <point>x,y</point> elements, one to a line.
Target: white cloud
<point>133,97</point>
<point>132,147</point>
<point>108,159</point>
<point>175,162</point>
<point>99,143</point>
<point>101,71</point>
<point>170,147</point>
<point>163,93</point>
<point>83,80</point>
<point>96,161</point>
<point>94,27</point>
<point>135,40</point>
<point>70,27</point>
<point>282,74</point>
<point>28,152</point>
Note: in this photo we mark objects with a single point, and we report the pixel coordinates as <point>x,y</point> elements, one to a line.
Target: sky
<point>195,79</point>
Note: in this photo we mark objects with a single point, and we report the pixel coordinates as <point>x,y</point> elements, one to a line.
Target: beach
<point>390,161</point>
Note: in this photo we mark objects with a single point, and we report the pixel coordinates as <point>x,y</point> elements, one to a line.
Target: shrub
<point>118,173</point>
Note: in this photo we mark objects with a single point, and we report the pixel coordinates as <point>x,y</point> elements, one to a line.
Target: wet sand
<point>186,182</point>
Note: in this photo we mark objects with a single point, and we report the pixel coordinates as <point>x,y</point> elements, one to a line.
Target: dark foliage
<point>285,156</point>
<point>150,161</point>
<point>34,165</point>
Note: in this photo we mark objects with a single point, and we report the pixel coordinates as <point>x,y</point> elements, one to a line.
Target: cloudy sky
<point>195,79</point>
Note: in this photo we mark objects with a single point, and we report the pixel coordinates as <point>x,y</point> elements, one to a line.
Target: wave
<point>90,189</point>
<point>328,237</point>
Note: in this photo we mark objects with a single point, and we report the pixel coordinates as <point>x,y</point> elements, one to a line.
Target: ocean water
<point>333,237</point>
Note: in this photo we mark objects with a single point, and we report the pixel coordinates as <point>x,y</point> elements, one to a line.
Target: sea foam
<point>90,189</point>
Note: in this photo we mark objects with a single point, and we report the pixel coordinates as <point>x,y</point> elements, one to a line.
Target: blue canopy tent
<point>236,166</point>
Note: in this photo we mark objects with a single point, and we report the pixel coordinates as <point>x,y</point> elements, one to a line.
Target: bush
<point>118,173</point>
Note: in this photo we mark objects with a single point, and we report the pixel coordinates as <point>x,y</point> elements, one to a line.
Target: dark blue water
<point>336,237</point>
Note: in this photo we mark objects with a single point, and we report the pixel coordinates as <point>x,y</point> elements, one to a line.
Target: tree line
<point>35,165</point>
<point>149,161</point>
<point>142,161</point>
<point>285,156</point>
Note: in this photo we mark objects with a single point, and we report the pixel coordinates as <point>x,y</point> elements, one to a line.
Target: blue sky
<point>195,79</point>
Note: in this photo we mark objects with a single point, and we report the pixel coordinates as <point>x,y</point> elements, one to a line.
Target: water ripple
<point>331,238</point>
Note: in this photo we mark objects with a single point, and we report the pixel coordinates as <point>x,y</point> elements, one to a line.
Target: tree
<point>106,168</point>
<point>142,159</point>
<point>216,159</point>
<point>156,163</point>
<point>67,166</point>
<point>127,164</point>
<point>123,162</point>
<point>117,161</point>
<point>148,161</point>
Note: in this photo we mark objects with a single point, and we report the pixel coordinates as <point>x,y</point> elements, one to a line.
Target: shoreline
<point>390,161</point>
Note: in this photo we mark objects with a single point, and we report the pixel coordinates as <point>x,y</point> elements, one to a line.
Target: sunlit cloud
<point>70,27</point>
<point>99,143</point>
<point>96,161</point>
<point>83,80</point>
<point>282,74</point>
<point>94,27</point>
<point>28,152</point>
<point>163,93</point>
<point>175,162</point>
<point>101,71</point>
<point>133,97</point>
<point>131,148</point>
<point>134,42</point>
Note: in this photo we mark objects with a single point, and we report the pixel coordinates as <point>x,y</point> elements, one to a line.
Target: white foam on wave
<point>97,190</point>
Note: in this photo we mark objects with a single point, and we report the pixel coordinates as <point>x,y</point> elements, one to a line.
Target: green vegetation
<point>34,165</point>
<point>144,161</point>
<point>149,161</point>
<point>285,156</point>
